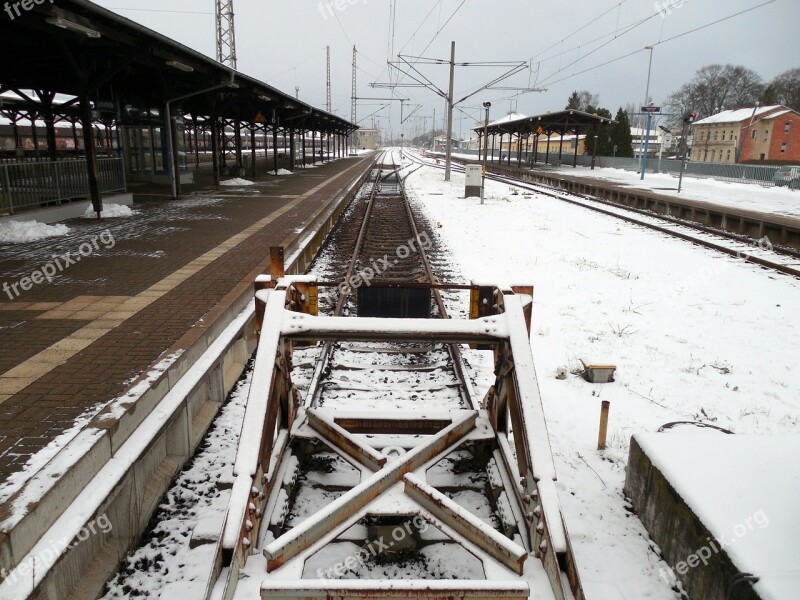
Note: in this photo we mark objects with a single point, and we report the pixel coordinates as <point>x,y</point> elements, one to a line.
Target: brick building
<point>755,134</point>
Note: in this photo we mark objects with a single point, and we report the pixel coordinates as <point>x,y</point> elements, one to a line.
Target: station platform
<point>780,228</point>
<point>127,290</point>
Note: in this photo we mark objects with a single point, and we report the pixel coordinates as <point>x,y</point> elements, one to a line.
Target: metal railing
<point>38,184</point>
<point>755,174</point>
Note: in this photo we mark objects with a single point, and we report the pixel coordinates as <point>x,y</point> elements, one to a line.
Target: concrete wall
<point>679,533</point>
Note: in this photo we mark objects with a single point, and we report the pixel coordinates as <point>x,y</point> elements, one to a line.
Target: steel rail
<point>561,195</point>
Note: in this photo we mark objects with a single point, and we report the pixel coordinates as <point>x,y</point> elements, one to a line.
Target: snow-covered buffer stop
<point>371,503</point>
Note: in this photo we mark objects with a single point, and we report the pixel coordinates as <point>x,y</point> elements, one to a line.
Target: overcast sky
<point>575,44</point>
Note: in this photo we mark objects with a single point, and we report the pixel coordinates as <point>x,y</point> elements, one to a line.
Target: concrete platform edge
<point>18,540</point>
<point>678,532</point>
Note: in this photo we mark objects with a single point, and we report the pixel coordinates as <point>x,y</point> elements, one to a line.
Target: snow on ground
<point>165,566</point>
<point>236,182</point>
<point>695,335</point>
<point>110,211</point>
<point>18,232</point>
<point>748,196</point>
<point>280,172</point>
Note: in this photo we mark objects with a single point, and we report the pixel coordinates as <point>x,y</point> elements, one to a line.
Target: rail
<point>529,555</point>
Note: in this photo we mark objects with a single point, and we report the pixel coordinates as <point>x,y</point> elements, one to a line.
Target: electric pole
<point>450,111</point>
<point>328,103</point>
<point>353,101</point>
<point>226,33</point>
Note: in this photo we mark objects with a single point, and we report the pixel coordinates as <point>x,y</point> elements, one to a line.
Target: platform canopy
<point>552,122</point>
<point>79,49</point>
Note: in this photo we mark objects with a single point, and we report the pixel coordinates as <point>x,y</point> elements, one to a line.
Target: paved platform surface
<point>138,284</point>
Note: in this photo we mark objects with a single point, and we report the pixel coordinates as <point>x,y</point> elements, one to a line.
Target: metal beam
<point>343,508</point>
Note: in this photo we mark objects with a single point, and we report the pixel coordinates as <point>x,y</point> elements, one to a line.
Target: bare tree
<point>784,89</point>
<point>715,88</point>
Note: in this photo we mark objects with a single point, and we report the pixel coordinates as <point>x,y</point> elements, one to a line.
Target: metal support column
<point>275,148</point>
<point>292,153</point>
<point>253,149</point>
<point>91,155</point>
<point>215,153</point>
<point>577,143</point>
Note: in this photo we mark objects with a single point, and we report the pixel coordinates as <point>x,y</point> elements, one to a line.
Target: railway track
<point>760,252</point>
<point>374,462</point>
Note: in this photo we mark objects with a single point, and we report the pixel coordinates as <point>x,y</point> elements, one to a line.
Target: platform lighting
<point>176,64</point>
<point>72,26</point>
<point>265,98</point>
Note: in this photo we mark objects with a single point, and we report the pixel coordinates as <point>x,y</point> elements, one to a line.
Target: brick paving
<point>70,346</point>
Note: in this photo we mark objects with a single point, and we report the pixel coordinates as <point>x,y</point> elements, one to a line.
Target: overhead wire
<point>669,39</point>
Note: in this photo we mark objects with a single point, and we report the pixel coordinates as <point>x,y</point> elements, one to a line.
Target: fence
<point>38,184</point>
<point>758,174</point>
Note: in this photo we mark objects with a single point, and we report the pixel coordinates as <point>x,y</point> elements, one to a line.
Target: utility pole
<point>450,112</point>
<point>433,133</point>
<point>226,34</point>
<point>646,103</point>
<point>328,102</point>
<point>353,114</point>
<point>487,106</point>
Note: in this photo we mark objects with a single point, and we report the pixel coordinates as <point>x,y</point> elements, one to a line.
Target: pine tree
<point>621,135</point>
<point>604,143</point>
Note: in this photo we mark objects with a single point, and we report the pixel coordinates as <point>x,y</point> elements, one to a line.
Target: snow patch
<point>236,182</point>
<point>110,211</point>
<point>18,232</point>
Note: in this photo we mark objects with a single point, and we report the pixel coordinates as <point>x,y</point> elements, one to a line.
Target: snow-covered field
<point>748,196</point>
<point>695,335</point>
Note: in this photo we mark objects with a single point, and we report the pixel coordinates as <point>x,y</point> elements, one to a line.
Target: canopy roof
<point>77,48</point>
<point>551,122</point>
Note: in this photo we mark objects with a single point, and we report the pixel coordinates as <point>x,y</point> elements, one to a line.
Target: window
<point>731,134</point>
<point>753,136</point>
<point>728,158</point>
<point>783,148</point>
<point>713,155</point>
<point>716,135</point>
<point>766,135</point>
<point>723,136</point>
<point>788,127</point>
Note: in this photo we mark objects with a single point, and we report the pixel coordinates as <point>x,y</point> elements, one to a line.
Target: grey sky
<point>284,44</point>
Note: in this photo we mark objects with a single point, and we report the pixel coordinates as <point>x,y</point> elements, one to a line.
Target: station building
<point>753,134</point>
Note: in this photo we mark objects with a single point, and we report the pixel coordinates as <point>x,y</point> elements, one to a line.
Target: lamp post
<point>487,106</point>
<point>647,103</point>
<point>402,135</point>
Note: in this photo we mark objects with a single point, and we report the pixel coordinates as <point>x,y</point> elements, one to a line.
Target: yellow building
<point>716,139</point>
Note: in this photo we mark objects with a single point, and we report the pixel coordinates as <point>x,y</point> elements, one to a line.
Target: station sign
<point>651,109</point>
